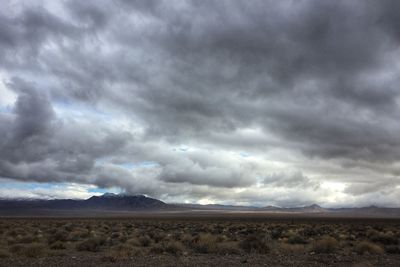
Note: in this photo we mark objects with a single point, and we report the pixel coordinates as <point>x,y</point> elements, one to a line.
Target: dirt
<point>210,260</point>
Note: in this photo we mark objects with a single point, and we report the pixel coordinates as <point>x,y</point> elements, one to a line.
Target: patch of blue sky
<point>65,107</point>
<point>149,164</point>
<point>127,165</point>
<point>181,148</point>
<point>30,185</point>
<point>142,164</point>
<point>33,186</point>
<point>244,154</point>
<point>102,160</point>
<point>6,109</point>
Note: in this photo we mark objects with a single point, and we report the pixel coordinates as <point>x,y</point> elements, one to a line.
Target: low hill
<point>106,202</point>
<point>109,204</point>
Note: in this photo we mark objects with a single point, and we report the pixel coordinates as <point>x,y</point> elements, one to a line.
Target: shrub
<point>58,245</point>
<point>14,232</point>
<point>4,254</point>
<point>368,247</point>
<point>297,239</point>
<point>122,239</point>
<point>276,233</point>
<point>30,250</point>
<point>134,242</point>
<point>115,235</point>
<point>384,238</point>
<point>255,243</point>
<point>158,248</point>
<point>15,249</point>
<point>59,235</point>
<point>122,252</point>
<point>204,243</point>
<point>157,236</point>
<point>176,236</point>
<point>78,234</point>
<point>10,240</point>
<point>309,232</point>
<point>323,230</point>
<point>327,244</point>
<point>92,244</point>
<point>228,248</point>
<point>144,241</point>
<point>27,239</point>
<point>186,239</point>
<point>392,249</point>
<point>292,248</point>
<point>34,250</point>
<point>174,247</point>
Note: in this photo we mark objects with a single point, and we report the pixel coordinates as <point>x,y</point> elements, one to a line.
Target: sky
<point>268,102</point>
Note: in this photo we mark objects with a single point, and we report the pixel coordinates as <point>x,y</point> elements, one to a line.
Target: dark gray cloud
<point>245,96</point>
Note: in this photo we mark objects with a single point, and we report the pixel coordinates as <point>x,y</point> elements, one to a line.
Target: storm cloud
<point>257,102</point>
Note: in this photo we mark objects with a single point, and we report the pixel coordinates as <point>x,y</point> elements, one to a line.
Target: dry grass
<point>33,250</point>
<point>291,249</point>
<point>204,243</point>
<point>145,241</point>
<point>297,239</point>
<point>368,247</point>
<point>127,238</point>
<point>326,244</point>
<point>255,243</point>
<point>92,244</point>
<point>174,247</point>
<point>228,248</point>
<point>58,245</point>
<point>4,254</point>
<point>122,252</point>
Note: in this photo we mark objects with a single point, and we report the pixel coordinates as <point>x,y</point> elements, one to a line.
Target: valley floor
<point>210,260</point>
<point>199,241</point>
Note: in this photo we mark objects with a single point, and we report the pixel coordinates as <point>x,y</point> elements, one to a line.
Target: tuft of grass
<point>33,250</point>
<point>297,239</point>
<point>368,247</point>
<point>204,243</point>
<point>121,252</point>
<point>134,242</point>
<point>157,236</point>
<point>228,248</point>
<point>4,254</point>
<point>144,241</point>
<point>78,234</point>
<point>92,244</point>
<point>58,245</point>
<point>292,248</point>
<point>326,244</point>
<point>157,248</point>
<point>384,238</point>
<point>27,239</point>
<point>392,249</point>
<point>174,247</point>
<point>60,235</point>
<point>255,243</point>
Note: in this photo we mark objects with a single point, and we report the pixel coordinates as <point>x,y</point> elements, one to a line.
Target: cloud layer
<point>261,102</point>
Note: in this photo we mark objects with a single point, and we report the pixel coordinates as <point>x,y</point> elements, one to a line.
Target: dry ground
<point>199,241</point>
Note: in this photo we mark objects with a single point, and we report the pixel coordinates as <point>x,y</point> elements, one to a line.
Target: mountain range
<point>114,203</point>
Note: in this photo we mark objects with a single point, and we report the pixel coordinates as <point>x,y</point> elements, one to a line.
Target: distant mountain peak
<point>112,201</point>
<point>113,195</point>
<point>109,195</point>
